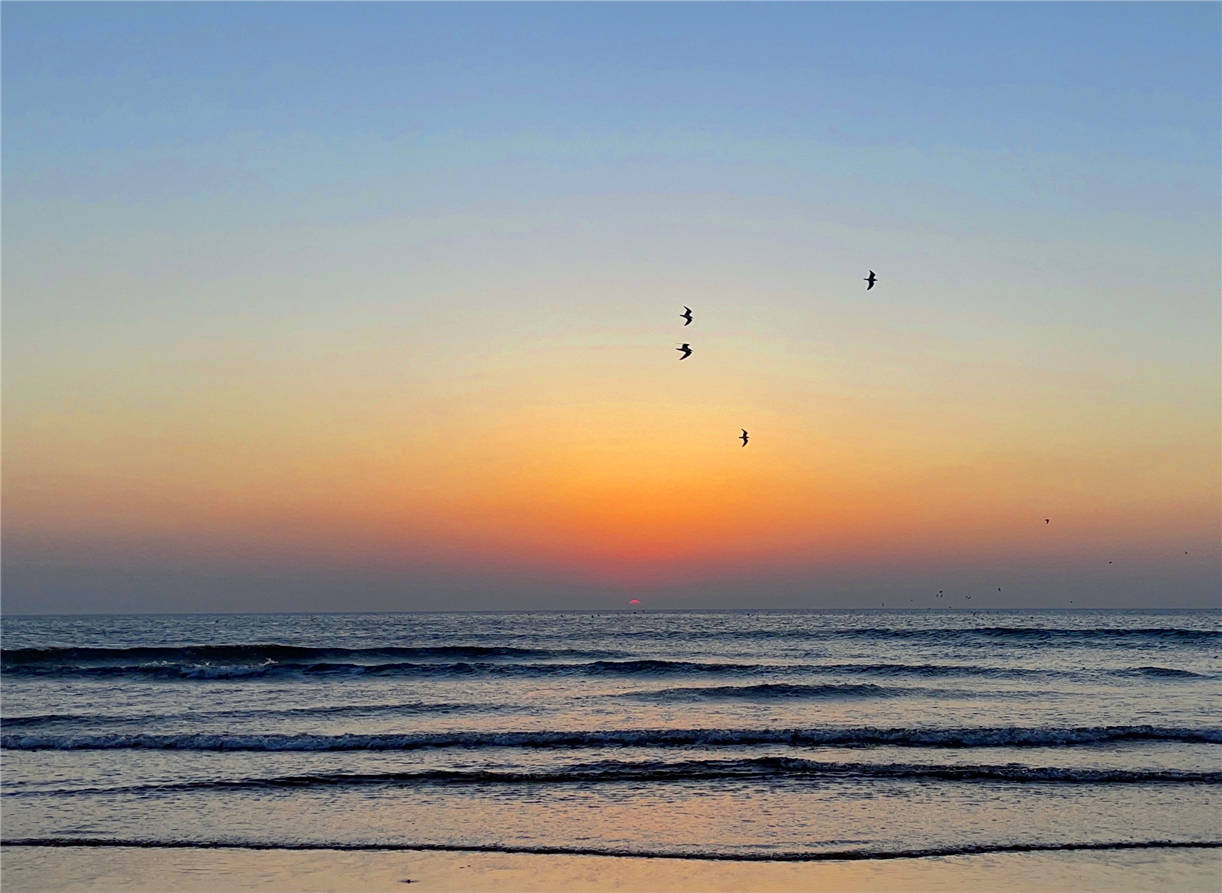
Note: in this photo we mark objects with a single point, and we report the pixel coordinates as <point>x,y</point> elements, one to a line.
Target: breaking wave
<point>322,710</point>
<point>1002,736</point>
<point>615,771</point>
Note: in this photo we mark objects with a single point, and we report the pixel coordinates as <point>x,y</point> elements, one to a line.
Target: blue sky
<point>224,217</point>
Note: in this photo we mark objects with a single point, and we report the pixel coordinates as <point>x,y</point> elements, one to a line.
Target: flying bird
<point>743,436</point>
<point>686,349</point>
<point>686,317</point>
<point>870,280</point>
<point>1046,520</point>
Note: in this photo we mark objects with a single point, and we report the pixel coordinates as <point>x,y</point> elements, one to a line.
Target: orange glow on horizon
<point>593,478</point>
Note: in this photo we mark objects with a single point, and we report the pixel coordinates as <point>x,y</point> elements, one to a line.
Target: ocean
<point>752,735</point>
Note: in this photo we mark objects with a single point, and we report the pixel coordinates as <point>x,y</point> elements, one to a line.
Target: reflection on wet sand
<point>206,871</point>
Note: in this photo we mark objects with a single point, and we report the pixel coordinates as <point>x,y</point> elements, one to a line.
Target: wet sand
<point>131,869</point>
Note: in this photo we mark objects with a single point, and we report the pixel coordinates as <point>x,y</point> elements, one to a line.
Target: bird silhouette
<point>1047,520</point>
<point>686,349</point>
<point>870,280</point>
<point>686,317</point>
<point>743,436</point>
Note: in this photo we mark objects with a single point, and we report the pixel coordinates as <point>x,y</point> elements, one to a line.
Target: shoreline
<point>804,856</point>
<point>65,868</point>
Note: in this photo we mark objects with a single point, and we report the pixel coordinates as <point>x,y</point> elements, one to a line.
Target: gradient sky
<point>373,306</point>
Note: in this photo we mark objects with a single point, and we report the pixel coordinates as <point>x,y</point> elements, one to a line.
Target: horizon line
<point>617,610</point>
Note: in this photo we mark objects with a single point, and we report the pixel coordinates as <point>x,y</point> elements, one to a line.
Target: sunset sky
<point>374,306</point>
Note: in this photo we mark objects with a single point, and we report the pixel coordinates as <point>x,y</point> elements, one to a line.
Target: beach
<point>134,870</point>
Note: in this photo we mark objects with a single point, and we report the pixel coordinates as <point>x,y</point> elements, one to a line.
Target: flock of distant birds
<point>942,593</point>
<point>685,349</point>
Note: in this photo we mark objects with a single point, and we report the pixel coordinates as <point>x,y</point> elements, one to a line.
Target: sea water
<point>754,735</point>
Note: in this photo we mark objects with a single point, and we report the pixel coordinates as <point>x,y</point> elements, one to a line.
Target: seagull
<point>870,280</point>
<point>686,349</point>
<point>686,317</point>
<point>743,437</point>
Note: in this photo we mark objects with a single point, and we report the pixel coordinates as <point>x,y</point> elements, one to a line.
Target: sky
<point>324,307</point>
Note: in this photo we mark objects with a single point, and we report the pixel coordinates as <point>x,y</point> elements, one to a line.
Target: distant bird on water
<point>870,280</point>
<point>743,436</point>
<point>686,317</point>
<point>686,350</point>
